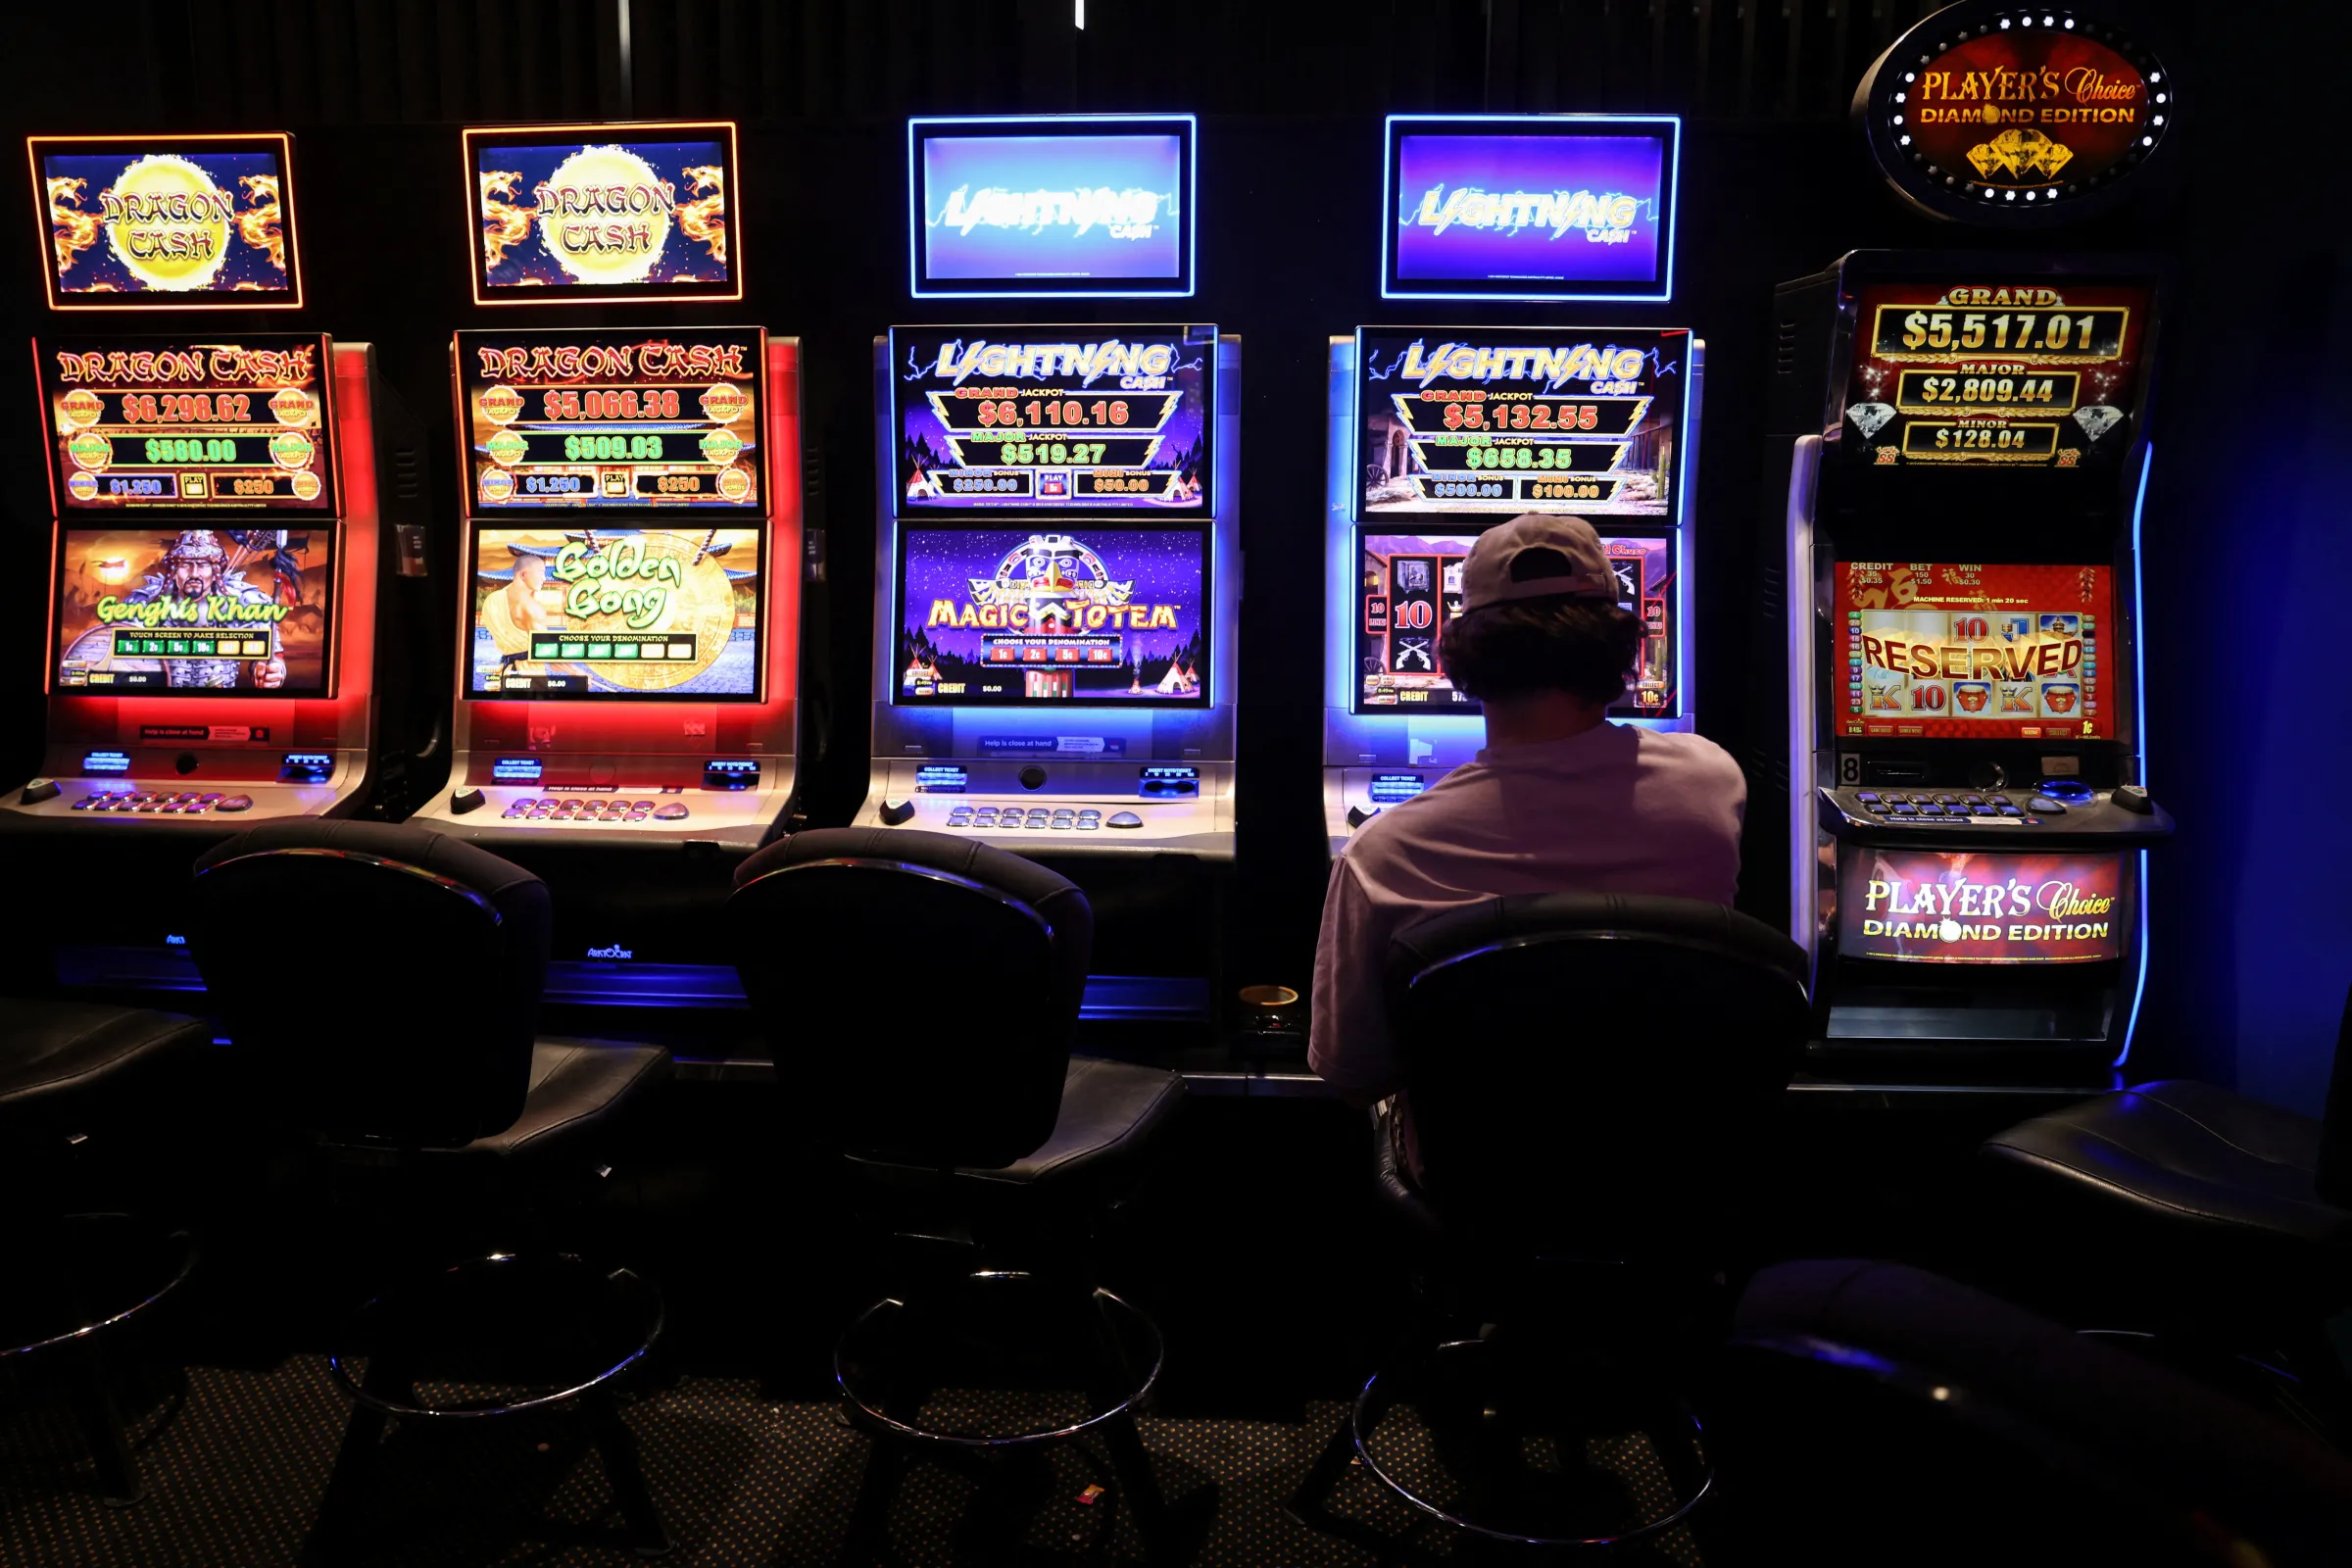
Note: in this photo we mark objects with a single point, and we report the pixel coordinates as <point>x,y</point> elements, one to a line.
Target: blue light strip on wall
<point>2139,680</point>
<point>1672,184</point>
<point>1109,122</point>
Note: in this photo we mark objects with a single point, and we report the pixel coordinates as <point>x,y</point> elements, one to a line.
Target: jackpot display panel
<point>614,421</point>
<point>1437,435</point>
<point>166,222</point>
<point>619,211</point>
<point>166,425</point>
<point>1505,420</point>
<point>1530,207</point>
<point>1968,813</point>
<point>1081,421</point>
<point>1061,207</point>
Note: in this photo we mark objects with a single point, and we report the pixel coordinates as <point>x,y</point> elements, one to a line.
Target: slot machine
<point>230,512</point>
<point>1057,540</point>
<point>1967,810</point>
<point>628,626</point>
<point>1439,433</point>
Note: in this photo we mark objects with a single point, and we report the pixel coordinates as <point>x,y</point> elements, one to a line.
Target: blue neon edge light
<point>1183,286</point>
<point>2139,681</point>
<point>1669,129</point>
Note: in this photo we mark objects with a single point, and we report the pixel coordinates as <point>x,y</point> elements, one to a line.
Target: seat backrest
<point>1593,1073</point>
<point>383,982</point>
<point>2333,1177</point>
<point>1875,1403</point>
<point>917,991</point>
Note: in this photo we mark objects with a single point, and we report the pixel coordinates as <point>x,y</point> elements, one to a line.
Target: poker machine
<point>1057,542</point>
<point>232,511</point>
<point>1967,804</point>
<point>1439,433</point>
<point>629,612</point>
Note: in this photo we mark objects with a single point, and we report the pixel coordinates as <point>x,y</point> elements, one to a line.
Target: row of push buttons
<point>1065,818</point>
<point>594,809</point>
<point>189,804</point>
<point>1950,806</point>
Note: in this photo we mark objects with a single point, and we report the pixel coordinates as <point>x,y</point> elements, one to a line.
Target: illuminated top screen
<point>166,222</point>
<point>1409,589</point>
<point>1533,207</point>
<point>228,422</point>
<point>1583,420</point>
<point>1009,616</point>
<point>641,614</point>
<point>615,421</point>
<point>1072,419</point>
<point>2003,651</point>
<point>1058,205</point>
<point>168,611</point>
<point>642,212</point>
<point>1994,373</point>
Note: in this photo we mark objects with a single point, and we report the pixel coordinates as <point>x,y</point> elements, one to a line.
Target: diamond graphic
<point>2097,418</point>
<point>2020,154</point>
<point>1870,418</point>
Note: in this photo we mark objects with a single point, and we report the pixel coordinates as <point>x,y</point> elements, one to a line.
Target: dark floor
<point>1258,1248</point>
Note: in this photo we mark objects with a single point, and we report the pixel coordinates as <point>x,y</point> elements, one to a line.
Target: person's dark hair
<point>1585,646</point>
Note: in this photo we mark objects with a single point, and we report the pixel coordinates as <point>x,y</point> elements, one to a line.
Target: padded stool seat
<point>57,1054</point>
<point>2185,1156</point>
<point>576,1088</point>
<point>1109,1110</point>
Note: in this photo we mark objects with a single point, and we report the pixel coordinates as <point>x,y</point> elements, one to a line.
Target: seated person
<point>1560,801</point>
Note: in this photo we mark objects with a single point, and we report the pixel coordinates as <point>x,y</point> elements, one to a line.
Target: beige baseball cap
<point>1582,570</point>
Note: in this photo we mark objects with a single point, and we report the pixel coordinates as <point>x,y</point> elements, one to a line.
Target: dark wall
<point>2244,540</point>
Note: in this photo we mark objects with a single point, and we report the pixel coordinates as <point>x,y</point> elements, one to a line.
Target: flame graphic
<point>74,230</point>
<point>508,222</point>
<point>707,220</point>
<point>258,224</point>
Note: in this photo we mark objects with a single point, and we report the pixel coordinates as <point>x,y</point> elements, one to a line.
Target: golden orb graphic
<point>605,216</point>
<point>167,222</point>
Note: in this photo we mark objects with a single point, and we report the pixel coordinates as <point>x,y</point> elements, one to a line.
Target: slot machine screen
<point>1054,205</point>
<point>1531,207</point>
<point>167,222</point>
<point>641,614</point>
<point>1588,422</point>
<point>1038,617</point>
<point>1088,420</point>
<point>645,419</point>
<point>167,611</point>
<point>238,422</point>
<point>2006,652</point>
<point>566,214</point>
<point>1410,589</point>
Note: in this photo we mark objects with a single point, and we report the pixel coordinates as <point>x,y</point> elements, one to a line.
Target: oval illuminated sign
<point>1997,115</point>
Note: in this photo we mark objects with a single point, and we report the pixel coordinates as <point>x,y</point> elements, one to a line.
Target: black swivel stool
<point>72,1074</point>
<point>1872,1414</point>
<point>954,1113</point>
<point>411,1065</point>
<point>2192,1212</point>
<point>1592,1079</point>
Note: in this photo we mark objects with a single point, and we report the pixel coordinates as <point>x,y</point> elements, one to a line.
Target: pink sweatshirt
<point>1614,810</point>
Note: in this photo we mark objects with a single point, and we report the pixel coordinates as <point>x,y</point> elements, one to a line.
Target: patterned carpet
<point>235,1461</point>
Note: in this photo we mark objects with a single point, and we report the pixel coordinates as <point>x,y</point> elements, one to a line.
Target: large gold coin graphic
<point>701,604</point>
<point>167,222</point>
